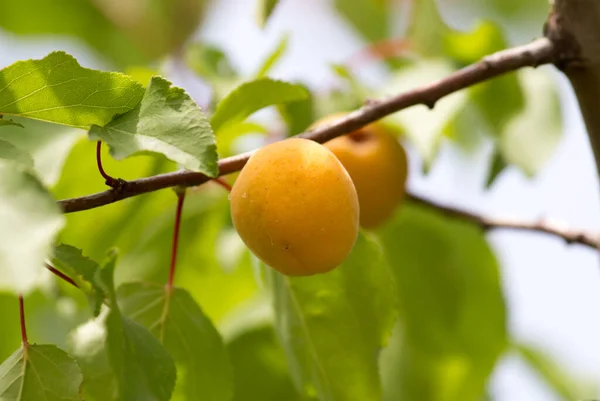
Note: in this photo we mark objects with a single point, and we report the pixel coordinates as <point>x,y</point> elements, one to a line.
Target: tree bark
<point>574,27</point>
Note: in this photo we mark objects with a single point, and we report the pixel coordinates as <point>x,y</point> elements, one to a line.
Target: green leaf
<point>530,138</point>
<point>298,115</point>
<point>57,89</point>
<point>142,367</point>
<point>30,220</point>
<point>424,127</point>
<point>6,122</point>
<point>497,166</point>
<point>49,145</point>
<point>10,152</point>
<point>273,57</point>
<point>231,132</point>
<point>561,382</point>
<point>253,96</point>
<point>259,365</point>
<point>87,344</point>
<point>40,372</point>
<point>332,326</point>
<point>467,48</point>
<point>189,336</point>
<point>167,121</point>
<point>369,17</point>
<point>515,16</point>
<point>265,9</point>
<point>426,29</point>
<point>83,270</point>
<point>452,326</point>
<point>209,61</point>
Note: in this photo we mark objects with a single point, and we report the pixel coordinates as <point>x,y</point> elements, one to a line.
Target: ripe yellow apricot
<point>378,165</point>
<point>295,207</point>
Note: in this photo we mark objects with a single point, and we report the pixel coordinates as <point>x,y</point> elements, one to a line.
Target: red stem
<point>223,183</point>
<point>61,275</point>
<point>110,181</point>
<point>180,199</point>
<point>22,316</point>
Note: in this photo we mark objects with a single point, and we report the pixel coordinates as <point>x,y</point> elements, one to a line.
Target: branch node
<point>118,185</point>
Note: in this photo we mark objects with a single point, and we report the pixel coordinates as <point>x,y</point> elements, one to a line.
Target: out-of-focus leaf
<point>253,96</point>
<point>424,127</point>
<point>357,90</point>
<point>530,138</point>
<point>209,61</point>
<point>259,365</point>
<point>128,33</point>
<point>452,326</point>
<point>265,9</point>
<point>57,89</point>
<point>167,121</point>
<point>40,372</point>
<point>189,336</point>
<point>9,151</point>
<point>561,382</point>
<point>369,17</point>
<point>87,344</point>
<point>230,133</point>
<point>83,271</point>
<point>426,28</point>
<point>499,99</point>
<point>468,47</point>
<point>30,220</point>
<point>515,16</point>
<point>49,145</point>
<point>213,66</point>
<point>498,164</point>
<point>332,326</point>
<point>298,115</point>
<point>143,368</point>
<point>273,57</point>
<point>142,74</point>
<point>6,122</point>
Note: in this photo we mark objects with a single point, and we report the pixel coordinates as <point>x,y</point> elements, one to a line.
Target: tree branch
<point>573,25</point>
<point>568,235</point>
<point>541,51</point>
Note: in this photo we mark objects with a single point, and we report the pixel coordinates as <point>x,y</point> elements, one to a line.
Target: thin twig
<point>61,275</point>
<point>568,235</point>
<point>176,229</point>
<point>223,183</point>
<point>22,320</point>
<point>539,52</point>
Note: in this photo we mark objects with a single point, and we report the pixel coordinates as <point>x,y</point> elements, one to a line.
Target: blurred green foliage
<point>416,312</point>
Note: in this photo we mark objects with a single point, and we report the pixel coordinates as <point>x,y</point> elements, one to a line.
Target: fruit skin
<point>295,207</point>
<point>378,165</point>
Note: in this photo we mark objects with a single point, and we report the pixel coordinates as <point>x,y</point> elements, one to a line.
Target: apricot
<point>295,207</point>
<point>378,165</point>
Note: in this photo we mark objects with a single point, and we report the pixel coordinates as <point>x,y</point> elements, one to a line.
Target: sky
<point>551,287</point>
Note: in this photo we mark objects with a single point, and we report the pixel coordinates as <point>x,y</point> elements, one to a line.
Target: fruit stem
<point>22,318</point>
<point>180,199</point>
<point>110,181</point>
<point>223,183</point>
<point>61,275</point>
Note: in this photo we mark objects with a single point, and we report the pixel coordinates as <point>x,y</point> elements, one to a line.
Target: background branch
<point>538,52</point>
<point>570,236</point>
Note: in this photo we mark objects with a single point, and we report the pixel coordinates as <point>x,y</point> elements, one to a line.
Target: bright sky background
<point>552,288</point>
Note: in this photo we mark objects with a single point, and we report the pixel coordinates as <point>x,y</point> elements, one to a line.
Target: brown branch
<point>573,26</point>
<point>541,51</point>
<point>570,236</point>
